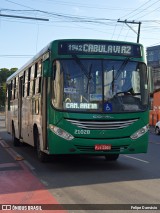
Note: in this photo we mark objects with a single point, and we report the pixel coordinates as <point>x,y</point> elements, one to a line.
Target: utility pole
<point>133,22</point>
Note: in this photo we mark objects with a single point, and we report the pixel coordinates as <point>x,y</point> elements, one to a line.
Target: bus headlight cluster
<point>60,132</point>
<point>140,132</point>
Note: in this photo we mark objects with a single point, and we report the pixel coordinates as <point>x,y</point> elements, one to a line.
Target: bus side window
<point>32,73</point>
<point>39,68</point>
<point>23,87</point>
<point>53,79</point>
<point>12,91</point>
<point>9,95</point>
<point>57,85</point>
<point>16,88</point>
<point>26,83</point>
<point>38,77</point>
<point>34,81</point>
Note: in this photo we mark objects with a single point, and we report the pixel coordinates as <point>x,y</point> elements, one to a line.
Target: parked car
<point>157,128</point>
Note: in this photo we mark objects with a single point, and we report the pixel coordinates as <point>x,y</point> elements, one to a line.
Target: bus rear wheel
<point>15,140</point>
<point>111,157</point>
<point>42,157</point>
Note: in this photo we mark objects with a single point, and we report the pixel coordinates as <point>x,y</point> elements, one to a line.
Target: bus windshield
<point>99,85</point>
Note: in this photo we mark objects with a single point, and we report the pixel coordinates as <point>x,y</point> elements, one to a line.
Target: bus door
<point>20,107</point>
<point>45,66</point>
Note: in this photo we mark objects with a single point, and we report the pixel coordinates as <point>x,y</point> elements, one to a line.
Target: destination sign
<point>105,48</point>
<point>71,105</point>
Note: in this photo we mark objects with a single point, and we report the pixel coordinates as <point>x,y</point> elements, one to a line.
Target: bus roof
<point>50,45</point>
<point>45,49</point>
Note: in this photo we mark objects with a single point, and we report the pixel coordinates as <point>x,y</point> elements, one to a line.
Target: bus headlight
<point>60,132</point>
<point>140,132</point>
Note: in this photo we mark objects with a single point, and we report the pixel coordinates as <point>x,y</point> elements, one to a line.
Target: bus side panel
<point>37,117</point>
<point>43,110</point>
<point>14,117</point>
<point>7,111</point>
<point>27,128</point>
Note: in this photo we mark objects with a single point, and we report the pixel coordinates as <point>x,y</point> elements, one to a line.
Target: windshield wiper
<point>90,69</point>
<point>122,66</point>
<point>83,68</point>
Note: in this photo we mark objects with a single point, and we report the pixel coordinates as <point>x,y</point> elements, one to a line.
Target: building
<point>153,60</point>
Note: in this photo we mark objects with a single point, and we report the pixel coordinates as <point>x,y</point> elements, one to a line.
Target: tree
<point>4,74</point>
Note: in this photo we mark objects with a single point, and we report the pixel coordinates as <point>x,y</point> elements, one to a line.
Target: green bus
<point>81,97</point>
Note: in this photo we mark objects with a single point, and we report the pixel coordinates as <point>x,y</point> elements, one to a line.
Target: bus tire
<point>15,140</point>
<point>42,157</point>
<point>111,157</point>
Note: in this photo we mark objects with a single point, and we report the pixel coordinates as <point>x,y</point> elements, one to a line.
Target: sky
<point>21,39</point>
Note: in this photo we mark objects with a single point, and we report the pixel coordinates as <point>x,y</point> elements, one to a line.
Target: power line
<point>149,12</point>
<point>66,3</point>
<point>67,16</point>
<point>18,4</point>
<point>72,18</point>
<point>56,17</point>
<point>145,9</point>
<point>139,12</point>
<point>135,9</point>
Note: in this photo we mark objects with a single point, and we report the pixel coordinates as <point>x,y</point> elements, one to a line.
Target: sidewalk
<point>19,186</point>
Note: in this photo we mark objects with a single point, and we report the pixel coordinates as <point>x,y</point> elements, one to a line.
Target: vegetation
<point>4,74</point>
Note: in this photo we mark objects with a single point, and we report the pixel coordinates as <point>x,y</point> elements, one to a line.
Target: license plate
<point>102,147</point>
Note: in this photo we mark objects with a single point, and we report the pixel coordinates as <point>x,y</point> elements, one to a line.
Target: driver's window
<point>136,81</point>
<point>57,85</point>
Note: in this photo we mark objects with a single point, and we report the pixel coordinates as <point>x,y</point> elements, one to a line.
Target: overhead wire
<point>88,6</point>
<point>149,12</point>
<point>56,17</point>
<point>135,10</point>
<point>120,31</point>
<point>143,10</point>
<point>70,18</point>
<point>59,19</point>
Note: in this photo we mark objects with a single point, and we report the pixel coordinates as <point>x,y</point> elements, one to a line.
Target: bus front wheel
<point>111,157</point>
<point>41,155</point>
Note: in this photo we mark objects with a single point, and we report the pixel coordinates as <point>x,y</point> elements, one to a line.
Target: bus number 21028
<point>82,132</point>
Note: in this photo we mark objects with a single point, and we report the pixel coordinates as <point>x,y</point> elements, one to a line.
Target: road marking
<point>44,182</point>
<point>138,159</point>
<point>4,144</point>
<point>11,151</point>
<point>6,165</point>
<point>14,154</point>
<point>29,165</point>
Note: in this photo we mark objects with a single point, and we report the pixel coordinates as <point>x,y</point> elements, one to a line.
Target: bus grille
<point>91,148</point>
<point>101,124</point>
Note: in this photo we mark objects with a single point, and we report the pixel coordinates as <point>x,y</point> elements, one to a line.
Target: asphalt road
<point>132,179</point>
